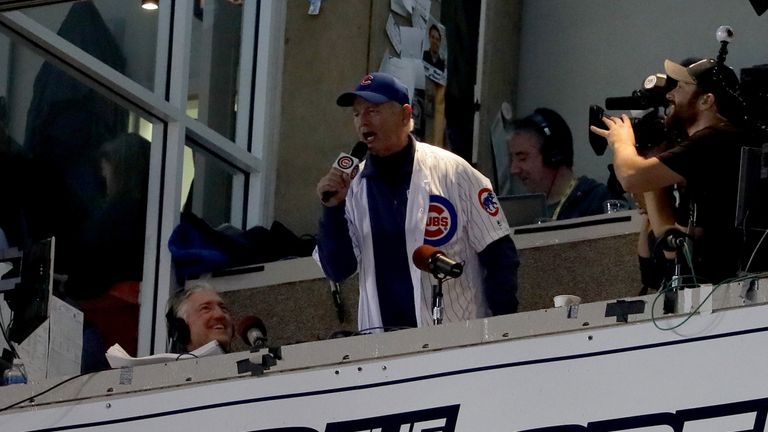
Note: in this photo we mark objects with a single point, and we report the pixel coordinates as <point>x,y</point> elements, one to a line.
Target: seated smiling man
<point>541,156</point>
<point>197,315</point>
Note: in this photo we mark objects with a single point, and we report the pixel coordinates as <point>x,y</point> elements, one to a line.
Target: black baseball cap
<point>709,76</point>
<point>706,74</point>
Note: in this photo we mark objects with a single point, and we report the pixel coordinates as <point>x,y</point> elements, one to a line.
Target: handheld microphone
<point>431,259</point>
<point>347,163</point>
<point>252,331</point>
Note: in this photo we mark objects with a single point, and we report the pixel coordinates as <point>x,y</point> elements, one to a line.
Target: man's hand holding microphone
<point>333,187</point>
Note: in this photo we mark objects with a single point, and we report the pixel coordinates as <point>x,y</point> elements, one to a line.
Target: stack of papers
<point>118,358</point>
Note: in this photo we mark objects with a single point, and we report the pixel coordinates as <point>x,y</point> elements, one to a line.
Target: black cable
<point>715,287</point>
<point>385,328</point>
<point>366,331</point>
<point>754,252</point>
<point>666,240</point>
<point>5,335</point>
<point>36,395</point>
<point>184,355</point>
<point>179,357</point>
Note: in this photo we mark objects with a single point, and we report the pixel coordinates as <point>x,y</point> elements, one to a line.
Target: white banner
<point>708,375</point>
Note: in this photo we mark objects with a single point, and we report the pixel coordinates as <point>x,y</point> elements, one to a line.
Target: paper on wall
<point>398,7</point>
<point>411,38</point>
<point>393,31</point>
<point>420,14</point>
<point>409,71</point>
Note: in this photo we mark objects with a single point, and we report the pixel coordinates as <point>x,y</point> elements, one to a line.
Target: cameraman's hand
<point>619,132</point>
<point>635,173</point>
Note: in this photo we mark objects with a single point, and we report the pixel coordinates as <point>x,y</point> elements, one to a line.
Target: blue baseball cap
<point>378,88</point>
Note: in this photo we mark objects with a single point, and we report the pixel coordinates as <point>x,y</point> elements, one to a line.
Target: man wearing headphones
<point>541,156</point>
<point>197,315</point>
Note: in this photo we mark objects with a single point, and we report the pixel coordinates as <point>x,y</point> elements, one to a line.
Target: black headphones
<point>178,329</point>
<point>179,334</point>
<point>557,141</point>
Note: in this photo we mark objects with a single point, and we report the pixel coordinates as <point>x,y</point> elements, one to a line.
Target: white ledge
<point>577,229</point>
<point>529,236</point>
<point>267,274</point>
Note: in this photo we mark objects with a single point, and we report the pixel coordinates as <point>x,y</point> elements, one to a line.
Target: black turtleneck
<point>388,180</point>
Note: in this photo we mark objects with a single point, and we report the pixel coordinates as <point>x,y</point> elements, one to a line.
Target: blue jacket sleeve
<point>334,246</point>
<point>500,261</point>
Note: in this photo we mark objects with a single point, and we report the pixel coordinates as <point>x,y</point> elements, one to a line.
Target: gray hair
<point>411,122</point>
<point>178,304</point>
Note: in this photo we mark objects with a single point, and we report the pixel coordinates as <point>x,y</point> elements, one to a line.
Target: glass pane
<point>70,168</point>
<point>118,32</point>
<point>211,192</point>
<point>214,60</point>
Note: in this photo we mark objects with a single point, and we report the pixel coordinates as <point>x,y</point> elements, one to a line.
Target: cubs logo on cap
<point>442,221</point>
<point>366,80</point>
<point>488,201</point>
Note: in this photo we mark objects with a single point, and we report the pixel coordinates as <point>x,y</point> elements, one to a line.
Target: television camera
<point>649,128</point>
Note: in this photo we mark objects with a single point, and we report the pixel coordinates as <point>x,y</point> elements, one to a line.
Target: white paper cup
<point>566,300</point>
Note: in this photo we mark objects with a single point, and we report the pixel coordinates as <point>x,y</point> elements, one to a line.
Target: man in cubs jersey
<point>408,193</point>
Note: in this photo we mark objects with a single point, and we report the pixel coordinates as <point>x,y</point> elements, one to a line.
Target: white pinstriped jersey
<point>450,206</point>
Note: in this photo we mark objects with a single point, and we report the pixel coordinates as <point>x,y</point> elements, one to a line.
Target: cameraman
<point>705,105</point>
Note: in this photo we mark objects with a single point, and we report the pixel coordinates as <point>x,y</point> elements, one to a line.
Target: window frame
<point>252,156</point>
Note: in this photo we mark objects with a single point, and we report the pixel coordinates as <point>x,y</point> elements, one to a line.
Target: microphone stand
<point>338,303</point>
<point>434,262</point>
<point>676,283</point>
<point>438,305</point>
<point>670,296</point>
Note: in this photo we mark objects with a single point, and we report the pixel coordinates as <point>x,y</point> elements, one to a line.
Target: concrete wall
<point>324,56</point>
<point>295,312</point>
<point>497,71</point>
<point>595,270</point>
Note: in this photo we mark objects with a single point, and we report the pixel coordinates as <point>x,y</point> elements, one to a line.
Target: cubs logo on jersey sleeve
<point>488,201</point>
<point>442,221</point>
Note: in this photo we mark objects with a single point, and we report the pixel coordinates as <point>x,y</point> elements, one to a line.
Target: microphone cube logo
<point>346,163</point>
